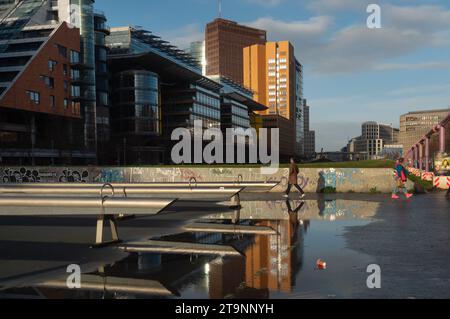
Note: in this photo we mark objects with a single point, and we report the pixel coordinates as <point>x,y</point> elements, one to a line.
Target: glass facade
<point>184,105</point>
<point>83,16</point>
<point>234,115</point>
<point>299,112</point>
<point>102,83</point>
<point>136,106</point>
<point>15,20</point>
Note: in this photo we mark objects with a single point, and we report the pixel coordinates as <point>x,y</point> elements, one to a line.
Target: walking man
<point>293,179</point>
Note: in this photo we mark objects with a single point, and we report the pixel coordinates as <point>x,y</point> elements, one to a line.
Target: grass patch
<point>328,190</point>
<point>421,186</point>
<point>374,190</point>
<point>355,164</point>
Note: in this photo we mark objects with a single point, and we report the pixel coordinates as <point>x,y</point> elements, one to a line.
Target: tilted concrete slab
<point>49,206</point>
<point>229,229</point>
<point>178,248</point>
<point>112,284</point>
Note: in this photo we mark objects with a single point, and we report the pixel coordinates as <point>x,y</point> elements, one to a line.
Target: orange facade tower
<point>270,70</point>
<point>275,76</point>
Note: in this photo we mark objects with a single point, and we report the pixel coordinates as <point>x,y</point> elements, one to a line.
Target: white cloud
<point>266,3</point>
<point>183,37</point>
<point>356,48</point>
<point>323,50</point>
<point>305,35</point>
<point>338,5</point>
<point>411,66</point>
<point>427,18</point>
<point>421,90</point>
<point>312,28</point>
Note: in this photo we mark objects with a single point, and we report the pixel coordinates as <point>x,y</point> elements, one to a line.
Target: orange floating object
<point>322,265</point>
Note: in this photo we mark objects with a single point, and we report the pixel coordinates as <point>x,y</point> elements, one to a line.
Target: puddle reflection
<point>272,266</point>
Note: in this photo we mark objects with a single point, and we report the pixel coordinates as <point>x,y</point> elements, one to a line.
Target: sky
<point>352,74</point>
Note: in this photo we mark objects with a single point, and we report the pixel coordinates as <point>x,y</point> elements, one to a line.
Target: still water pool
<point>279,265</point>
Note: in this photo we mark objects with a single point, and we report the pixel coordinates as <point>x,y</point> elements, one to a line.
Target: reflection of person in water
<point>293,215</point>
<point>295,211</point>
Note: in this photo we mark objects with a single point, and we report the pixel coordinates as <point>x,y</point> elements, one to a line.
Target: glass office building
<point>157,88</point>
<point>82,16</point>
<point>136,108</point>
<point>185,104</point>
<point>299,112</point>
<point>102,85</point>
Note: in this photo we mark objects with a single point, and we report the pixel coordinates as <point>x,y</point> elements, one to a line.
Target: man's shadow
<point>320,183</point>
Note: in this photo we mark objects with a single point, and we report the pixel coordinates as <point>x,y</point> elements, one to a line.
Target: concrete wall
<point>312,180</point>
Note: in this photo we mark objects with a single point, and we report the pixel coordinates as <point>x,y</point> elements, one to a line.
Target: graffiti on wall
<point>222,171</point>
<point>186,174</point>
<point>20,175</point>
<point>331,178</point>
<point>303,181</point>
<point>41,175</point>
<point>109,175</point>
<point>328,178</point>
<point>73,176</point>
<point>171,175</point>
<point>309,179</point>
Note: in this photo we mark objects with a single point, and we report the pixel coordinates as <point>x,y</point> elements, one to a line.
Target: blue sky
<point>352,74</point>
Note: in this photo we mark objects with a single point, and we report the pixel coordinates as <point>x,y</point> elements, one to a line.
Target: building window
<point>52,101</point>
<point>74,57</point>
<point>103,98</point>
<point>52,65</point>
<point>49,82</point>
<point>66,86</point>
<point>75,108</point>
<point>75,74</point>
<point>65,69</point>
<point>66,103</point>
<point>35,97</point>
<point>75,91</point>
<point>62,51</point>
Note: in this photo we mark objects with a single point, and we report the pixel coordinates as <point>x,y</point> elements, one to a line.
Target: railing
<point>420,152</point>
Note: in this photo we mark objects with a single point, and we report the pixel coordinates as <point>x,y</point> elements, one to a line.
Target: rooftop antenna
<point>219,2</point>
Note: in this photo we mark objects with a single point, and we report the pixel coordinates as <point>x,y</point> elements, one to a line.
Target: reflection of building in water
<point>271,260</point>
<point>225,277</point>
<point>270,264</point>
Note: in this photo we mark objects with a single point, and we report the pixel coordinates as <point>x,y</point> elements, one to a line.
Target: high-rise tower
<point>225,41</point>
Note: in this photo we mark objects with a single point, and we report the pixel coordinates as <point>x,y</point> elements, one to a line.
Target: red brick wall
<point>17,98</point>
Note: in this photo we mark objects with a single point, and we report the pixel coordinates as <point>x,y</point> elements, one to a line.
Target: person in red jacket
<point>293,179</point>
